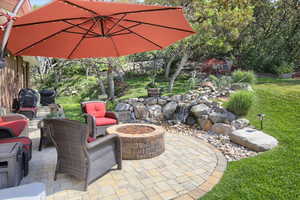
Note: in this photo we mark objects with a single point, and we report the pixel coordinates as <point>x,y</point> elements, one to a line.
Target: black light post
<point>261,117</point>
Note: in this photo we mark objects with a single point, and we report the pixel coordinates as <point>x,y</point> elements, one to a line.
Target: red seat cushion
<point>24,140</point>
<point>96,109</point>
<point>17,126</point>
<point>102,121</point>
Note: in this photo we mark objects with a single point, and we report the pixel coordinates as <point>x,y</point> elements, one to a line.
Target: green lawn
<point>274,174</point>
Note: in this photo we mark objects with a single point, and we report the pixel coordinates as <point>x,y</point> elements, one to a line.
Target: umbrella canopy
<point>81,29</point>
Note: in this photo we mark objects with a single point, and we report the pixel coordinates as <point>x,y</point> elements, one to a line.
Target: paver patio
<point>186,170</point>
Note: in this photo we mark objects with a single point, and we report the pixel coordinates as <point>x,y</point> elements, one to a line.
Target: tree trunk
<point>178,70</point>
<point>111,85</point>
<point>102,87</point>
<point>168,67</point>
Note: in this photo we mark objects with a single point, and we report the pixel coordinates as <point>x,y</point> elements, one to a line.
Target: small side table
<point>11,164</point>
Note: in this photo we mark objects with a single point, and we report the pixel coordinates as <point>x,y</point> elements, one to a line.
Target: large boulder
<point>176,98</point>
<point>253,139</point>
<point>205,123</point>
<point>150,101</point>
<point>124,116</point>
<point>140,111</point>
<point>226,117</point>
<point>240,123</point>
<point>123,107</point>
<point>161,101</point>
<point>155,113</point>
<point>190,120</point>
<point>222,128</point>
<point>169,109</point>
<point>132,100</point>
<point>199,110</point>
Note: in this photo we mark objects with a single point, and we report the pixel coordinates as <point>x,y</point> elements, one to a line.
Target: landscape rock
<point>176,98</point>
<point>169,109</point>
<point>240,123</point>
<point>155,112</point>
<point>140,111</point>
<point>132,100</point>
<point>150,101</point>
<point>206,125</point>
<point>190,121</point>
<point>222,128</point>
<point>199,110</point>
<point>253,139</point>
<point>161,101</point>
<point>123,107</point>
<point>217,117</point>
<point>124,116</point>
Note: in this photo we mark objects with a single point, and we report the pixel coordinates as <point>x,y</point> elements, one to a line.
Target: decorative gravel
<point>231,151</point>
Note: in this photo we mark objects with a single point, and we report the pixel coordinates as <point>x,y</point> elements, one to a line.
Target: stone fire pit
<point>139,141</point>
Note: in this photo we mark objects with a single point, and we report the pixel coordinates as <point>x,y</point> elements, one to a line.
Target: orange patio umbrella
<point>81,29</point>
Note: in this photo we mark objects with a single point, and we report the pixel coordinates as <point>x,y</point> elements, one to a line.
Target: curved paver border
<point>211,181</point>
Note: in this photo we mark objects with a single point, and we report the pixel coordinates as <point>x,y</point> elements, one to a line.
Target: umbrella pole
<point>9,27</point>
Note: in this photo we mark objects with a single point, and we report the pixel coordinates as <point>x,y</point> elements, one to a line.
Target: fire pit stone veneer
<point>139,141</point>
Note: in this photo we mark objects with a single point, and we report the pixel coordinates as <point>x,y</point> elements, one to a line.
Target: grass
<point>274,174</point>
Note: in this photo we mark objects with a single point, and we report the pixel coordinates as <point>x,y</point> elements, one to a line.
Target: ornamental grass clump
<point>240,76</point>
<point>241,102</point>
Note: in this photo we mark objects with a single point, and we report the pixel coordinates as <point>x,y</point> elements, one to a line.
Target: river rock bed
<point>231,151</point>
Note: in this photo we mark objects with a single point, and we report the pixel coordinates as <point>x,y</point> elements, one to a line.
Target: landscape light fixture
<point>261,117</point>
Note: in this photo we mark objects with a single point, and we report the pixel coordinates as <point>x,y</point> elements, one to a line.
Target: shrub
<point>240,76</point>
<point>240,102</point>
<point>285,68</point>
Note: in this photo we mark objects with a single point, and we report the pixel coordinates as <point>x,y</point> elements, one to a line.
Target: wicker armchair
<point>97,117</point>
<point>85,161</point>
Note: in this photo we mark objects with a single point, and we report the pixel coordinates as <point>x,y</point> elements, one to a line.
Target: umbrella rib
<point>114,44</point>
<point>125,29</point>
<point>81,39</point>
<point>119,20</point>
<point>116,49</point>
<point>49,36</point>
<point>139,35</point>
<point>50,21</point>
<point>158,25</point>
<point>102,26</point>
<point>81,7</point>
<point>80,27</point>
<point>147,10</point>
<point>73,32</point>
